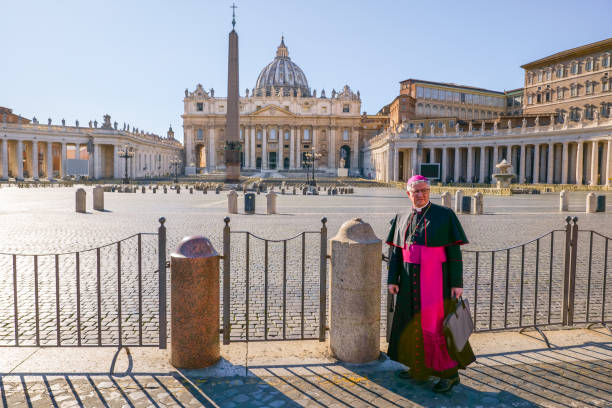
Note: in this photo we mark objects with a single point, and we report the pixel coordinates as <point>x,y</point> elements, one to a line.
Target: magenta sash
<point>432,303</point>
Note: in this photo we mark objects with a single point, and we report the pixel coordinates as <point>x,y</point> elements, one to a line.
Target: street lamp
<point>126,153</point>
<point>176,162</point>
<point>311,158</point>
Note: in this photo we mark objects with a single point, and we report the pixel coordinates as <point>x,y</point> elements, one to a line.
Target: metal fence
<point>559,278</point>
<point>284,297</point>
<point>109,296</point>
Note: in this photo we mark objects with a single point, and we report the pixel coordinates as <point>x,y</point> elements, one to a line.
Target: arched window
<point>259,135</point>
<point>306,134</point>
<point>419,109</point>
<point>469,114</point>
<point>560,71</point>
<point>574,67</point>
<point>427,110</point>
<point>605,60</point>
<point>286,135</point>
<point>345,134</point>
<point>200,134</point>
<point>462,113</point>
<point>435,110</point>
<point>273,133</point>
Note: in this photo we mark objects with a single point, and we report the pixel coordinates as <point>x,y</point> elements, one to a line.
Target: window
<point>346,107</point>
<point>456,96</point>
<point>540,76</point>
<point>200,135</point>
<point>476,99</point>
<point>530,99</point>
<point>345,134</point>
<point>547,96</point>
<point>588,87</point>
<point>439,124</point>
<point>539,98</point>
<point>530,78</point>
<point>605,61</point>
<point>468,98</point>
<point>573,90</point>
<point>449,96</point>
<point>559,93</point>
<point>427,93</point>
<point>559,72</point>
<point>259,135</point>
<point>463,98</point>
<point>419,92</point>
<point>286,135</point>
<point>589,65</point>
<point>451,123</point>
<point>574,68</point>
<point>435,111</point>
<point>548,75</point>
<point>307,134</point>
<point>419,109</point>
<point>258,107</point>
<point>272,133</point>
<point>200,106</point>
<point>605,85</point>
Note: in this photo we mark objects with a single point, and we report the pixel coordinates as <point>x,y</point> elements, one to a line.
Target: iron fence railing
<point>549,280</point>
<point>263,276</point>
<point>107,296</point>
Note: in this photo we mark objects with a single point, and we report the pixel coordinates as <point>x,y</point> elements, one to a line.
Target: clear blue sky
<point>77,59</point>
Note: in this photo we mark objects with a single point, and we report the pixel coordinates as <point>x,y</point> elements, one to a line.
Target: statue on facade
<point>280,91</point>
<point>470,127</point>
<point>115,125</point>
<point>482,127</point>
<point>96,124</point>
<point>509,124</point>
<point>432,129</point>
<point>341,162</point>
<point>580,116</point>
<point>495,127</point>
<point>537,121</point>
<point>128,127</point>
<point>34,120</point>
<point>186,92</point>
<point>456,127</point>
<point>212,93</point>
<point>323,93</point>
<point>299,92</point>
<point>358,95</point>
<point>314,93</point>
<point>444,128</point>
<point>90,123</point>
<point>333,93</point>
<point>76,122</point>
<point>524,123</point>
<point>565,117</point>
<point>596,114</point>
<point>246,92</point>
<point>63,122</point>
<point>107,122</point>
<point>49,122</point>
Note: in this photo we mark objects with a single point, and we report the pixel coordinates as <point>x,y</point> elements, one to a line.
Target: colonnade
<point>554,162</point>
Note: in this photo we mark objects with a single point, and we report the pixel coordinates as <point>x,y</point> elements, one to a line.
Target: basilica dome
<point>282,75</point>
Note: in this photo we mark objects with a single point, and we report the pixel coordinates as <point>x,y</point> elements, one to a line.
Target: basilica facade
<point>281,121</point>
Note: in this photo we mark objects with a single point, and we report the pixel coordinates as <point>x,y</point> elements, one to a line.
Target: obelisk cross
<point>233,7</point>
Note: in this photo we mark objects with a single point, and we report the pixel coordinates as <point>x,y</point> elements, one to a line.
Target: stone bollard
<point>563,201</point>
<point>293,190</point>
<point>446,199</point>
<point>217,190</point>
<point>98,198</point>
<point>165,190</point>
<point>282,191</point>
<point>601,203</point>
<point>190,190</point>
<point>80,200</point>
<point>478,204</point>
<point>178,189</point>
<point>458,200</point>
<point>232,202</point>
<point>466,205</point>
<point>144,190</point>
<point>271,203</point>
<point>354,310</point>
<point>194,288</point>
<point>591,203</point>
<point>205,190</point>
<point>329,192</point>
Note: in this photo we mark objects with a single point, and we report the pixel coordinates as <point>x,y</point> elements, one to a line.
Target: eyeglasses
<point>423,191</point>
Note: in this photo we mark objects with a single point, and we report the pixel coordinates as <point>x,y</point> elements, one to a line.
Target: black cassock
<point>434,226</point>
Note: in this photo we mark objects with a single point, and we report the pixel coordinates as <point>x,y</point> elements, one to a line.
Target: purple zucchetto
<point>414,180</point>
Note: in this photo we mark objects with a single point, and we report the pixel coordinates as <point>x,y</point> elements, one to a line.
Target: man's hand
<point>393,289</point>
<point>456,292</point>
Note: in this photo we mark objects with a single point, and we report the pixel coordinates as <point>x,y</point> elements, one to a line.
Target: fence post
<point>226,281</point>
<point>566,275</point>
<point>161,253</point>
<point>323,281</point>
<point>572,277</point>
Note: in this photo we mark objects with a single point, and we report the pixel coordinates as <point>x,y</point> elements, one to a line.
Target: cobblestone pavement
<point>565,376</point>
<point>43,221</point>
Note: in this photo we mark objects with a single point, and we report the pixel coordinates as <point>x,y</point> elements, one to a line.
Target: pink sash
<point>432,303</point>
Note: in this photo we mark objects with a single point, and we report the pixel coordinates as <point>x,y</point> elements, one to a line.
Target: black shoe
<point>409,375</point>
<point>446,384</point>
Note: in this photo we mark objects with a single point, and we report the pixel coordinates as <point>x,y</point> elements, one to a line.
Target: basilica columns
<point>355,152</point>
<point>395,163</point>
<point>550,161</point>
<point>481,174</point>
<point>253,148</point>
<point>20,160</point>
<point>331,155</point>
<point>212,163</point>
<point>246,145</point>
<point>444,173</point>
<point>49,160</point>
<point>457,175</point>
<point>264,149</point>
<point>281,142</point>
<point>522,164</point>
<point>536,163</point>
<point>413,162</point>
<point>579,162</point>
<point>470,164</point>
<point>98,161</point>
<point>35,159</point>
<point>292,149</point>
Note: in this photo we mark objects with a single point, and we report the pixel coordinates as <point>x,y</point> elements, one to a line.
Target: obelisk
<point>232,136</point>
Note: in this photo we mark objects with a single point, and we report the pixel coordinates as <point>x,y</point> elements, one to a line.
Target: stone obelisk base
<point>232,173</point>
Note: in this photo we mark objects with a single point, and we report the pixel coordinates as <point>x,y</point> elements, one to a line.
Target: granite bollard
<point>249,203</point>
<point>563,201</point>
<point>232,202</point>
<point>194,288</point>
<point>478,204</point>
<point>446,199</point>
<point>591,203</point>
<point>466,205</point>
<point>271,202</point>
<point>601,203</point>
<point>355,293</point>
<point>458,200</point>
<point>144,189</point>
<point>98,198</point>
<point>80,200</point>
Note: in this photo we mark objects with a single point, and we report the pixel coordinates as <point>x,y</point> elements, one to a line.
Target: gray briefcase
<point>459,324</point>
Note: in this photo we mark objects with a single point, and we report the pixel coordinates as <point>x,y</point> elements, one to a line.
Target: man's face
<point>419,195</point>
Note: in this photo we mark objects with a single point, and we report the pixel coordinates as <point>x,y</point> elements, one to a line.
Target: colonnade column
<point>395,163</point>
<point>49,160</point>
<point>389,164</point>
<point>97,161</point>
<point>77,151</point>
<point>331,158</point>
<point>564,163</point>
<point>579,159</point>
<point>264,149</point>
<point>246,150</point>
<point>253,147</point>
<point>5,159</point>
<point>550,161</point>
<point>536,163</point>
<point>457,173</point>
<point>292,149</point>
<point>522,164</point>
<point>413,161</point>
<point>444,173</point>
<point>470,164</point>
<point>355,152</point>
<point>609,164</point>
<point>483,152</point>
<point>20,160</point>
<point>594,163</point>
<point>212,152</point>
<point>35,159</point>
<point>115,161</point>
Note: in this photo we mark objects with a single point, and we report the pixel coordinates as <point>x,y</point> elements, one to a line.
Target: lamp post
<point>176,162</point>
<point>126,153</point>
<point>311,158</point>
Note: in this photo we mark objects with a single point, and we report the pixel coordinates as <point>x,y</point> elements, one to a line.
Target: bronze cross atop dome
<point>233,7</point>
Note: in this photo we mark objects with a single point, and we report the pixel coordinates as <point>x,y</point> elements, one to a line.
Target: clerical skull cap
<point>414,180</point>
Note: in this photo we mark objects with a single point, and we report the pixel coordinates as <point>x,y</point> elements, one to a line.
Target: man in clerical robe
<point>426,272</point>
